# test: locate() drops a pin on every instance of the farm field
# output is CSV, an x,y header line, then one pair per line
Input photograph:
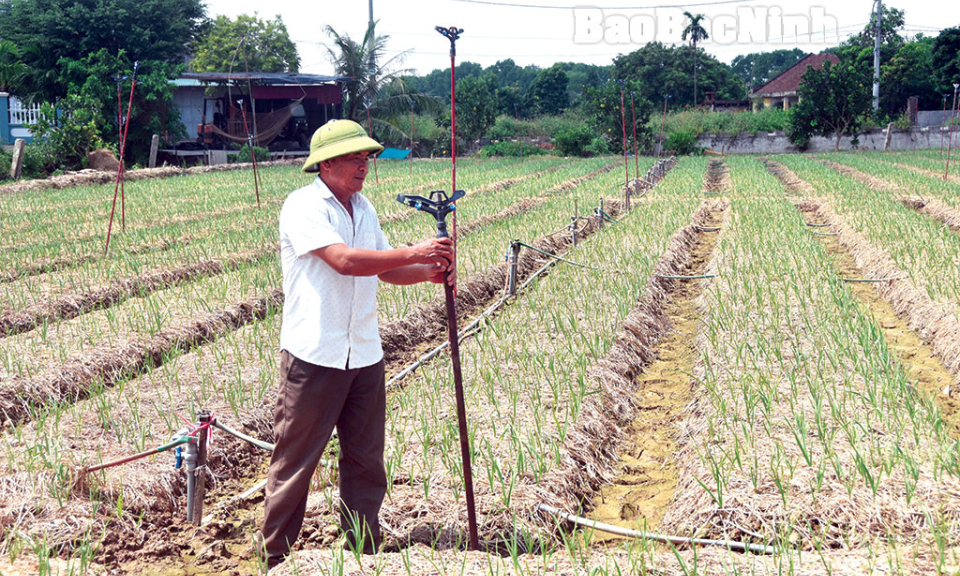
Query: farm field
x,y
759,351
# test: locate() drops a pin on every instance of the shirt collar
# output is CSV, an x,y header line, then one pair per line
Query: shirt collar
x,y
357,199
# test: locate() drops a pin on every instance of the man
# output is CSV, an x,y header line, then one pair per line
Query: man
x,y
332,251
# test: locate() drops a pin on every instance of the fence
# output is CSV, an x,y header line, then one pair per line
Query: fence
x,y
14,116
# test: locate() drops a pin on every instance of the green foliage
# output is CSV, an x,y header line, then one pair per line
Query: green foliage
x,y
758,68
660,70
833,100
65,137
702,121
92,80
507,148
549,91
601,106
262,154
909,72
12,69
682,143
246,43
366,61
574,141
946,59
50,30
476,108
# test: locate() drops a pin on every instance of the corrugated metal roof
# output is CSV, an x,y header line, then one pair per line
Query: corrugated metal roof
x,y
263,78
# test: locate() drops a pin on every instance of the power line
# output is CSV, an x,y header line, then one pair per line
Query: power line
x,y
693,5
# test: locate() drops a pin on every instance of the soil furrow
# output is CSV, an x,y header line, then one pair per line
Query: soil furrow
x,y
928,206
91,177
924,334
73,305
646,474
227,534
108,364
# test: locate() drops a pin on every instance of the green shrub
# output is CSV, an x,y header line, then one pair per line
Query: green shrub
x,y
63,136
507,148
682,142
574,141
243,154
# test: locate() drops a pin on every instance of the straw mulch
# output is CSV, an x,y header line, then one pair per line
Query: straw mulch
x,y
108,364
94,177
72,305
934,209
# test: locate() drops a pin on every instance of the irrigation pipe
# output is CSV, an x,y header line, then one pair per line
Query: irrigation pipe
x,y
258,443
873,279
666,538
826,233
172,444
812,225
681,277
708,228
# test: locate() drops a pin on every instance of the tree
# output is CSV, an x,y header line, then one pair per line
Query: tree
x,y
549,90
246,43
833,100
12,69
758,68
909,73
946,59
476,107
660,70
696,32
49,30
364,61
601,105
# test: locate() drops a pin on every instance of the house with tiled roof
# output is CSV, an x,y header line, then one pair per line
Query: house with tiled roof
x,y
783,90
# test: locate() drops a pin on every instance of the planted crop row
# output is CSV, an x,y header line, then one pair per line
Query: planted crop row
x,y
234,376
922,247
809,433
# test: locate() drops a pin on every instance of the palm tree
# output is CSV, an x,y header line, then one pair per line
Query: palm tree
x,y
12,69
696,32
375,86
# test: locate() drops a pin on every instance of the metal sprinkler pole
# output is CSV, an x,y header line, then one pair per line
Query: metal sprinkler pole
x,y
623,125
253,155
376,175
952,127
440,205
453,33
119,184
636,156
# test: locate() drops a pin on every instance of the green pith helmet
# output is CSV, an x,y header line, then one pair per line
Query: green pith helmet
x,y
336,138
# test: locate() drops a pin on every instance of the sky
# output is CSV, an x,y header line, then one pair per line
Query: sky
x,y
541,32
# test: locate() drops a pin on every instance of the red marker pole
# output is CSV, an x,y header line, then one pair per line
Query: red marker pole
x,y
953,114
119,185
662,122
370,130
253,155
943,122
411,137
623,125
636,156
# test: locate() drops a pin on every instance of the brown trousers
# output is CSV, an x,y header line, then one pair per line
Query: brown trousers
x,y
312,400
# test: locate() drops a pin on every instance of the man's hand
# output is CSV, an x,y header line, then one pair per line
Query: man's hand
x,y
438,272
436,251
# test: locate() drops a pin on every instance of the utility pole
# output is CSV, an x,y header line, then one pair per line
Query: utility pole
x,y
876,57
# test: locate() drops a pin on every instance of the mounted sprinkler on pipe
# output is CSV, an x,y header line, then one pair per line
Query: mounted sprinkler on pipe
x,y
253,155
439,205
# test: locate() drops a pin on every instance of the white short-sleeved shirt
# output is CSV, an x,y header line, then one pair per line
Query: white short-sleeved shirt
x,y
328,319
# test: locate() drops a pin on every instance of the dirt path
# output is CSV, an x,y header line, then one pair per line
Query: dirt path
x,y
902,312
646,474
